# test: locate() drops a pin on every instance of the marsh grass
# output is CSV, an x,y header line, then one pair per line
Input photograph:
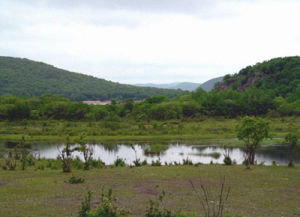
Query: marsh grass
x,y
210,128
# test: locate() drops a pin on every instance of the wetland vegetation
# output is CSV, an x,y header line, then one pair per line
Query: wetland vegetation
x,y
54,150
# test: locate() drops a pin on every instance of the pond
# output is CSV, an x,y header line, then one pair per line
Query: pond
x,y
173,152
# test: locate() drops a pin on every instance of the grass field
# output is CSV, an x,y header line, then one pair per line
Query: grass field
x,y
263,191
128,130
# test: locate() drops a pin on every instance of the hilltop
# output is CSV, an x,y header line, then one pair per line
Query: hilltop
x,y
30,78
279,75
210,84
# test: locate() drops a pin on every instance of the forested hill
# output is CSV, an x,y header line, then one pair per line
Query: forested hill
x,y
29,78
279,75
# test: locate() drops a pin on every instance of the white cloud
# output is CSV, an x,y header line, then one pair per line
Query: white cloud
x,y
132,44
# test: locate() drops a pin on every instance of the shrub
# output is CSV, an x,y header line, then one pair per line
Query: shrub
x,y
227,161
107,208
144,163
11,162
156,163
155,208
97,163
66,157
77,163
75,180
137,162
187,161
30,160
86,205
119,162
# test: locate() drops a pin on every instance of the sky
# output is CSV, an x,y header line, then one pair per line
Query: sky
x,y
150,41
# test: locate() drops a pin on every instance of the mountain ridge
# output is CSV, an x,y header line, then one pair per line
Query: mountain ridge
x,y
21,76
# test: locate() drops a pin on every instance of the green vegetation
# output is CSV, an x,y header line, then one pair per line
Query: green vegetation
x,y
29,78
107,208
281,76
208,131
271,189
277,95
252,131
75,180
292,140
269,90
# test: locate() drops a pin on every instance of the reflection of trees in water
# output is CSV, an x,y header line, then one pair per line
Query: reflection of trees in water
x,y
278,152
114,148
211,148
11,144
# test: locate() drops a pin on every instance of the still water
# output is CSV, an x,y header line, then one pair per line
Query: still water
x,y
173,152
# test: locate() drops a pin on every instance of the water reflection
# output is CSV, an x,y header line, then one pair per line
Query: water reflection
x,y
172,153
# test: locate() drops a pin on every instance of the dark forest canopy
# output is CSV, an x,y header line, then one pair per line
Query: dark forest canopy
x,y
29,78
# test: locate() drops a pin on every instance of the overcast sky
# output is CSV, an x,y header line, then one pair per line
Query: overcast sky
x,y
142,41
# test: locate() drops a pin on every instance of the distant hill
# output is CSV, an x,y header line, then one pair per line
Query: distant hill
x,y
210,84
189,86
279,75
29,78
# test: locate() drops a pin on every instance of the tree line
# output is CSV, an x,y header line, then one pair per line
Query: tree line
x,y
199,104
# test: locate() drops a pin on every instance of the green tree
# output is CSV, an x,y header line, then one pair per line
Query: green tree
x,y
292,140
252,130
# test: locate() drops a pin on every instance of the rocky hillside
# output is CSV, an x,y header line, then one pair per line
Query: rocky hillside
x,y
281,75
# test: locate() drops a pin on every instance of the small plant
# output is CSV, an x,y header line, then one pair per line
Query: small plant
x,y
144,163
97,163
137,162
119,162
187,161
75,180
156,163
156,208
227,159
212,206
77,163
107,208
40,167
86,205
10,161
176,163
30,160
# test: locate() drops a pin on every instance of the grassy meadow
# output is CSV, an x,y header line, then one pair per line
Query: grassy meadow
x,y
263,191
